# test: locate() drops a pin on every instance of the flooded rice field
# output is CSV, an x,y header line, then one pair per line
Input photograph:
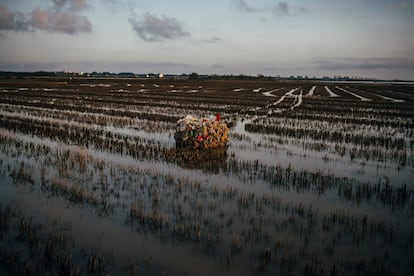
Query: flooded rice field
x,y
317,178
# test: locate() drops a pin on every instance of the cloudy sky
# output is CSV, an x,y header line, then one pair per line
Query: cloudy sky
x,y
368,38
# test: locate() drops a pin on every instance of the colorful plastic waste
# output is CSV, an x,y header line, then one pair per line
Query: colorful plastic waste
x,y
201,132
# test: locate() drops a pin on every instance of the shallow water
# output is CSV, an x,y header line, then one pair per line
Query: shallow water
x,y
267,204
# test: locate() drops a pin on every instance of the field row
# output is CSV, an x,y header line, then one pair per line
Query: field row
x,y
219,220
316,179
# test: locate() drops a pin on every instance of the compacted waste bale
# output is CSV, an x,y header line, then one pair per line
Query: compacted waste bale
x,y
192,132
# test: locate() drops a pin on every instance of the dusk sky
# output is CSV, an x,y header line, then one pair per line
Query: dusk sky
x,y
368,38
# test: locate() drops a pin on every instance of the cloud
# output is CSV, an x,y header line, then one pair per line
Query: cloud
x,y
151,27
282,8
74,5
62,17
12,21
51,20
242,6
6,19
340,64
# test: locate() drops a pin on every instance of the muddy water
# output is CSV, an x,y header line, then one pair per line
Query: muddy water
x,y
292,152
109,234
239,211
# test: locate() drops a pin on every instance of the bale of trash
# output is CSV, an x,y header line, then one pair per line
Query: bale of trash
x,y
192,132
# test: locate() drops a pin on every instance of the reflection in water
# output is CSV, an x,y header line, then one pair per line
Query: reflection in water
x,y
209,160
122,199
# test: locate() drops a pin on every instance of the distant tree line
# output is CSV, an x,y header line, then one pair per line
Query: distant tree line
x,y
192,76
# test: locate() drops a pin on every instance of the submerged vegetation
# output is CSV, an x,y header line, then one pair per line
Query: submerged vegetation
x,y
317,178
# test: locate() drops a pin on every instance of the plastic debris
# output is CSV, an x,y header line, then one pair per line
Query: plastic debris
x,y
201,132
